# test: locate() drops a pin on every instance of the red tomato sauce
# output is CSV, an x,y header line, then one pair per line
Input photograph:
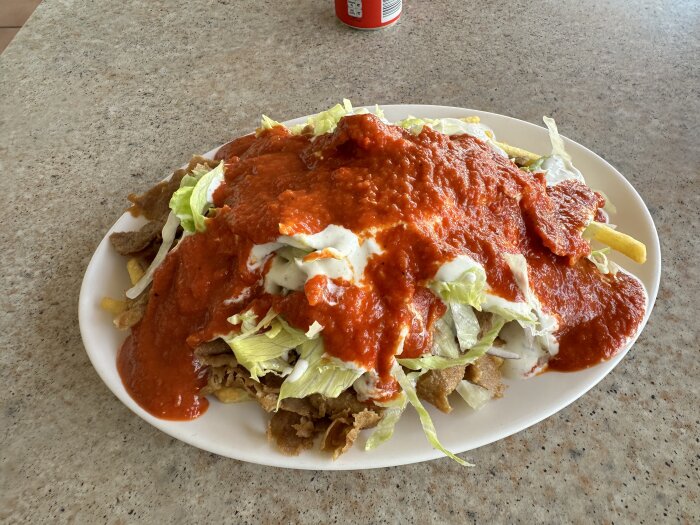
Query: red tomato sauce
x,y
430,197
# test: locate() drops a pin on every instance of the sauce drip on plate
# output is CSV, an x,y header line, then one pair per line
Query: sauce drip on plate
x,y
426,199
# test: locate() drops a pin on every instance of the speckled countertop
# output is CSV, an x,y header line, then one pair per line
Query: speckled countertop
x,y
101,97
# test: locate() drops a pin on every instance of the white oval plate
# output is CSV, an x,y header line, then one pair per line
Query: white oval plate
x,y
238,431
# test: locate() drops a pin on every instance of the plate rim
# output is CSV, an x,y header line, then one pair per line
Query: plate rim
x,y
271,457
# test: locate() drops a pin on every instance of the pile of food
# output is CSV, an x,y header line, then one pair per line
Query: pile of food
x,y
337,271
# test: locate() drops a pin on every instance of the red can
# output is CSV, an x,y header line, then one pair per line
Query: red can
x,y
368,14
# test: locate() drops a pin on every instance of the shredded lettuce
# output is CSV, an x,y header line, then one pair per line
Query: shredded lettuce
x,y
556,140
168,235
558,166
447,126
314,373
455,332
433,362
451,126
444,342
392,413
378,112
248,321
323,122
535,166
461,283
467,289
601,261
314,330
425,421
466,325
194,197
476,396
545,324
326,121
415,124
267,123
262,353
187,206
203,195
509,310
267,352
180,202
609,207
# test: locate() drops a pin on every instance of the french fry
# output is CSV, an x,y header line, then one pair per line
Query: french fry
x,y
135,270
618,241
513,152
471,120
133,313
230,394
518,153
113,306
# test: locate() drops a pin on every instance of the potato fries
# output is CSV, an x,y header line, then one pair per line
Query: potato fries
x,y
230,394
113,306
135,270
471,120
518,153
618,241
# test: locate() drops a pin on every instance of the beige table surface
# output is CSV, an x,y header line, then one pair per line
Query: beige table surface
x,y
101,97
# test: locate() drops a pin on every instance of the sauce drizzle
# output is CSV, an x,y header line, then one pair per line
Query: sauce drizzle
x,y
427,199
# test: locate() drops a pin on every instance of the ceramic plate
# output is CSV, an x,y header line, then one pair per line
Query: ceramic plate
x,y
238,431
